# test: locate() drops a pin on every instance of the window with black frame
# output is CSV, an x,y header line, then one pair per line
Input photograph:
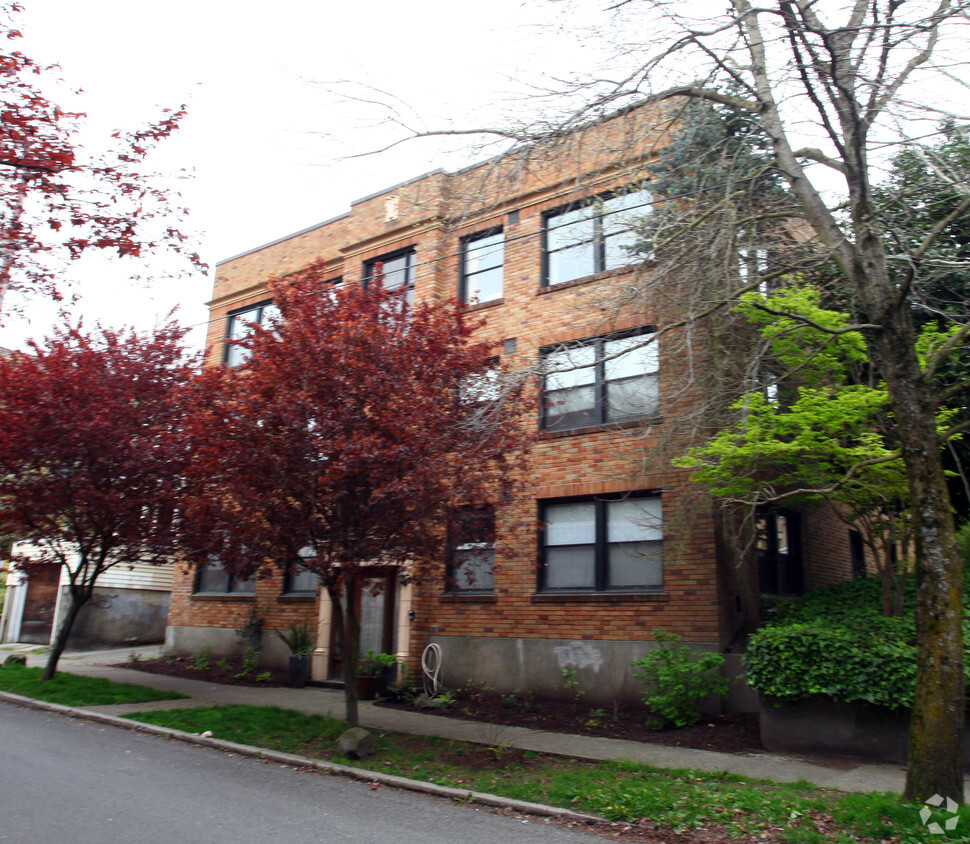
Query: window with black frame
x,y
299,580
397,269
482,259
211,578
241,324
779,547
471,567
599,381
592,237
601,544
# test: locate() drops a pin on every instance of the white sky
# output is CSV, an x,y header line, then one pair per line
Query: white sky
x,y
267,148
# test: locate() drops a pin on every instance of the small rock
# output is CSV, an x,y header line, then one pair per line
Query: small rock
x,y
15,659
356,743
206,734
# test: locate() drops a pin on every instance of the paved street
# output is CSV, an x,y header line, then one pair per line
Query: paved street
x,y
71,781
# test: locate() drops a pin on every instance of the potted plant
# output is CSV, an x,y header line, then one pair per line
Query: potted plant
x,y
371,669
301,641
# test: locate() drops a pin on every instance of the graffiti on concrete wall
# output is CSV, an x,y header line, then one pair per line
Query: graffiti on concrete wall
x,y
579,655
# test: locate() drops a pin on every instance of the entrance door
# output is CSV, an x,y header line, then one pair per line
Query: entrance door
x,y
37,623
375,600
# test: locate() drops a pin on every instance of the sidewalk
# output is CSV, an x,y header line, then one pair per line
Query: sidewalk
x,y
861,777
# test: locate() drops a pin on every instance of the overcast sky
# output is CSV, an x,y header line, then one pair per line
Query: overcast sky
x,y
267,141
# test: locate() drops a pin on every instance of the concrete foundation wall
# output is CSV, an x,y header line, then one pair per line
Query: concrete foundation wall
x,y
602,668
115,617
187,640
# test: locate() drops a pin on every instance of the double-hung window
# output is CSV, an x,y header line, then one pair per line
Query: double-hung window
x,y
593,237
601,381
602,544
398,271
241,323
298,580
472,551
482,257
211,578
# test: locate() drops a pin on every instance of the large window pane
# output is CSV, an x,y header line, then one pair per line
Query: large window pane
x,y
567,409
484,286
570,229
300,579
632,398
634,519
570,368
569,264
570,567
570,524
636,564
485,253
474,568
212,578
630,356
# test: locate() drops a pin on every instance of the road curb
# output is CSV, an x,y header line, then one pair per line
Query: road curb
x,y
390,780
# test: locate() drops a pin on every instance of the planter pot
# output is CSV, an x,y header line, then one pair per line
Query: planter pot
x,y
299,671
385,680
366,688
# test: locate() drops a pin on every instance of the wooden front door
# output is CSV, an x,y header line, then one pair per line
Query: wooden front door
x,y
375,600
40,602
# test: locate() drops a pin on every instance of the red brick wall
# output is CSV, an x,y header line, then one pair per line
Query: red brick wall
x,y
434,212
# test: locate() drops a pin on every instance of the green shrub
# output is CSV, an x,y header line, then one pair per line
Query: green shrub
x,y
301,639
202,659
677,683
796,661
835,643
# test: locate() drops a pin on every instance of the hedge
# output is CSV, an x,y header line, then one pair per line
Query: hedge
x,y
835,643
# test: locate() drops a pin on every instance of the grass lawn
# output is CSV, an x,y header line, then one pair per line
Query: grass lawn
x,y
619,791
74,690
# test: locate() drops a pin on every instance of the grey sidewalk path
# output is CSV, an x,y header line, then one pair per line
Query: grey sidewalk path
x,y
312,700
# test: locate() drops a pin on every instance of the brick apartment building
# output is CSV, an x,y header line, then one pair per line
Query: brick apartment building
x,y
605,543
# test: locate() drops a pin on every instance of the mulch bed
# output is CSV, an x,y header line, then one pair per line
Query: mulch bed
x,y
731,733
229,673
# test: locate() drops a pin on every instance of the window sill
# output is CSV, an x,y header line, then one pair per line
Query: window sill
x,y
608,597
298,597
221,596
483,306
596,429
586,279
466,597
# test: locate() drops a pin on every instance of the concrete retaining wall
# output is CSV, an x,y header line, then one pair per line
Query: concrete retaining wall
x,y
846,729
602,669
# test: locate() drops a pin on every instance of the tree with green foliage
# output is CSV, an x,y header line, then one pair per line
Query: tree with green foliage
x,y
827,84
832,88
815,434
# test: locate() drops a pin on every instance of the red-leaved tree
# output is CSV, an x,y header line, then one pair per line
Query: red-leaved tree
x,y
91,454
58,201
348,439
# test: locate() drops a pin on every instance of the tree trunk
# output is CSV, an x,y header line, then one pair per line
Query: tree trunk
x,y
348,637
935,762
77,600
